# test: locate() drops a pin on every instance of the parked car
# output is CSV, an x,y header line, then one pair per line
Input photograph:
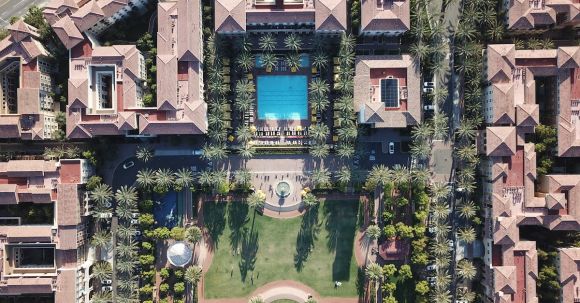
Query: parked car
x,y
428,90
106,282
391,147
429,107
128,164
135,215
428,84
432,267
134,221
107,288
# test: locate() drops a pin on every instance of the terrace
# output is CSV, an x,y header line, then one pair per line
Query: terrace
x,y
29,259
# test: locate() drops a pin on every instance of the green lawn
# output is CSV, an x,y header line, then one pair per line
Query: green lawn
x,y
315,249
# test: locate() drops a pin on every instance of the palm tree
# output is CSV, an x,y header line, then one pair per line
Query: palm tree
x,y
439,190
419,51
345,150
126,250
293,42
101,238
421,176
256,200
496,30
440,94
183,179
466,234
440,210
164,179
125,232
440,249
400,174
102,193
347,133
145,178
441,296
193,234
344,175
204,178
127,285
126,266
466,270
309,199
374,273
267,42
468,210
246,151
293,61
256,299
466,130
102,270
243,177
373,232
102,297
319,150
269,61
244,133
422,132
246,61
126,195
379,176
320,60
144,154
319,132
319,102
464,294
421,150
319,86
193,274
320,177
468,153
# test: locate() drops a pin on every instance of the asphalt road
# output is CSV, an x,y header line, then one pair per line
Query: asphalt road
x,y
9,8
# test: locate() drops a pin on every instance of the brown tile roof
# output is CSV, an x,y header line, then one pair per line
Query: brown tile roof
x,y
503,105
505,232
500,62
67,32
88,15
189,39
501,141
569,275
78,90
505,279
29,168
68,205
29,285
8,194
374,112
330,15
66,286
230,15
569,57
527,114
9,126
67,238
394,18
27,233
522,15
22,42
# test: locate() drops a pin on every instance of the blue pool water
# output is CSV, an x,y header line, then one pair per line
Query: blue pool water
x,y
282,97
165,210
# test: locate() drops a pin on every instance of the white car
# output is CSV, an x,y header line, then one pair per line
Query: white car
x,y
107,282
134,221
432,267
429,107
427,90
107,288
428,84
128,164
135,215
391,148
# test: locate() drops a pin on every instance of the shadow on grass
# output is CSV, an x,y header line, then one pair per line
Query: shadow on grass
x,y
249,253
214,219
308,234
237,218
340,223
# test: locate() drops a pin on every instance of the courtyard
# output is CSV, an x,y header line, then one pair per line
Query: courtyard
x,y
251,250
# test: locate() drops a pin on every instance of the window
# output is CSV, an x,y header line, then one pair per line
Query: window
x,y
390,92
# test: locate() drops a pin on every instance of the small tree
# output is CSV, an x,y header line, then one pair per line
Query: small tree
x,y
144,154
193,234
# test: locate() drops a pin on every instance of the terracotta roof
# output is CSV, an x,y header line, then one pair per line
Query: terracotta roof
x,y
503,105
67,32
230,15
66,286
331,15
500,62
8,194
9,126
501,141
68,205
505,232
569,275
527,114
374,111
189,39
27,233
522,15
88,15
505,279
22,42
569,57
388,19
29,168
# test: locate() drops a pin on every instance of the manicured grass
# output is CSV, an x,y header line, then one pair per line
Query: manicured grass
x,y
315,249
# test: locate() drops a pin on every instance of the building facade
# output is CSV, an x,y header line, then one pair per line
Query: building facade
x,y
541,14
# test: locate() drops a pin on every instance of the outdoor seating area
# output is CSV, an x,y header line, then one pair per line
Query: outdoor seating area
x,y
284,136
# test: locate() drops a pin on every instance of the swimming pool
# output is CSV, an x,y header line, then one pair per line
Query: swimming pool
x,y
282,97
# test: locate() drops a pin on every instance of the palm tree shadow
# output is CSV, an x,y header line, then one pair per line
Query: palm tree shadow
x,y
214,215
249,253
308,234
341,227
237,218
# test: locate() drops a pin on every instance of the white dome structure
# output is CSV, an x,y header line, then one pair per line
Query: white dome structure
x,y
179,254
